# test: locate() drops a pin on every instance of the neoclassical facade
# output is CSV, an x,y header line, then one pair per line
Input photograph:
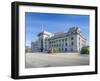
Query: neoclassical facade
x,y
71,41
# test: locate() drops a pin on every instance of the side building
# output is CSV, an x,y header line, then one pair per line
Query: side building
x,y
71,41
35,46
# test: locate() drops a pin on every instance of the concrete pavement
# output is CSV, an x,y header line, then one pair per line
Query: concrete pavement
x,y
34,60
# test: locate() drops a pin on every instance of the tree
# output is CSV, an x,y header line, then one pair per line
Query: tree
x,y
85,50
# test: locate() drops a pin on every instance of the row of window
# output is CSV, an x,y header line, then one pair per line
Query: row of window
x,y
60,40
62,49
59,45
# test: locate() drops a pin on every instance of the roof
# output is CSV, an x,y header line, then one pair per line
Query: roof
x,y
72,30
60,35
44,33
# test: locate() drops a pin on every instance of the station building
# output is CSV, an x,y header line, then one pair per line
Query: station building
x,y
71,41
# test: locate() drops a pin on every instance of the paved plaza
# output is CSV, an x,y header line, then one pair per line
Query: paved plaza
x,y
35,60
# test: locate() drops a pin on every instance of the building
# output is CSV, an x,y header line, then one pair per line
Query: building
x,y
34,46
28,49
71,41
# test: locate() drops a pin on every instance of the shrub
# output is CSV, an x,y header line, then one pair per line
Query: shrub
x,y
53,50
50,51
85,50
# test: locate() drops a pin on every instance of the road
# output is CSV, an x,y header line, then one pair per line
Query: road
x,y
35,60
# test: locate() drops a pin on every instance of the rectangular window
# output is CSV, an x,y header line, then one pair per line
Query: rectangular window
x,y
66,39
57,45
62,40
62,49
62,45
72,43
59,49
66,44
72,38
71,49
65,49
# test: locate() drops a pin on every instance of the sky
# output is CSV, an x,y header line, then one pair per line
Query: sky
x,y
51,22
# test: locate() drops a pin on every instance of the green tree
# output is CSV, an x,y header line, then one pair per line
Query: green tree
x,y
85,50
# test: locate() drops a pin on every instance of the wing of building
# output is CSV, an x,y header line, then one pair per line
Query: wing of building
x,y
71,41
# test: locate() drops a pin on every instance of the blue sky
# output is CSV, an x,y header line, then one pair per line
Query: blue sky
x,y
53,23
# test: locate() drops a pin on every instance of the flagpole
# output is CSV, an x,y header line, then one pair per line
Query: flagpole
x,y
42,28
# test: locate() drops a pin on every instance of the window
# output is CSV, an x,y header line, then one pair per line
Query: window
x,y
62,44
56,45
52,45
72,43
56,41
59,49
65,49
72,32
62,49
45,42
66,39
79,38
66,44
71,49
72,38
59,45
62,40
59,40
45,46
50,42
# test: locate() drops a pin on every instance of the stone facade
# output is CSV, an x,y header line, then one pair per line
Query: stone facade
x,y
71,41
